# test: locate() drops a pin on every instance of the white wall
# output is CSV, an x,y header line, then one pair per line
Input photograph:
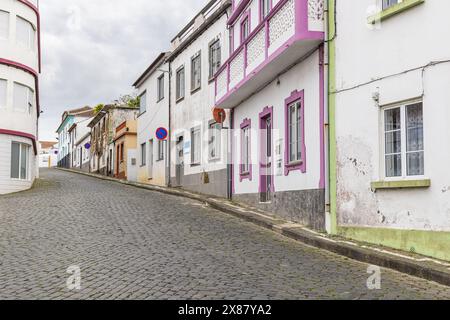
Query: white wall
x,y
365,53
156,116
304,76
196,108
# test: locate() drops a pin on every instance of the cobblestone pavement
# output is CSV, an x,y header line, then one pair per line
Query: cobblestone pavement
x,y
136,244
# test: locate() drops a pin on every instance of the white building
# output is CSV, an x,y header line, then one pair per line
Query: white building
x,y
48,154
198,159
274,84
153,90
80,135
67,133
19,94
391,95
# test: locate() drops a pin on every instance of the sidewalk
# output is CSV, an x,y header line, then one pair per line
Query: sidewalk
x,y
405,262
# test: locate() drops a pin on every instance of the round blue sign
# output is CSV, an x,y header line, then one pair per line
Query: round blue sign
x,y
161,133
87,145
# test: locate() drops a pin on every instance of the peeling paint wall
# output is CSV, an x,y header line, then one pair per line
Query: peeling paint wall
x,y
390,51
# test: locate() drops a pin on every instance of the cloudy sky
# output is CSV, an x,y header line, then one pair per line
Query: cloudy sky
x,y
93,50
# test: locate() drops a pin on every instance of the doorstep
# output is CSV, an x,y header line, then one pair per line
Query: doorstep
x,y
405,262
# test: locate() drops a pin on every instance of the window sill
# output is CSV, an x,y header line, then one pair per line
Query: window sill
x,y
294,166
140,114
195,164
245,176
195,90
179,100
400,184
394,10
159,100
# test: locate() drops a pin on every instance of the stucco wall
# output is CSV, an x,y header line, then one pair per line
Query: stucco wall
x,y
196,108
365,53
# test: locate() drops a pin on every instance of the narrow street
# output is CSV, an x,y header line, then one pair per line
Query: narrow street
x,y
136,244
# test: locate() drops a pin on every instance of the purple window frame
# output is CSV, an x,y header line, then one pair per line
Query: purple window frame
x,y
298,165
246,124
261,6
246,17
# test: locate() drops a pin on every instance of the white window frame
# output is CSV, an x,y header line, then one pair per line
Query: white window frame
x,y
214,140
143,102
143,154
196,60
180,83
160,88
246,142
215,57
27,165
404,175
160,150
196,146
298,128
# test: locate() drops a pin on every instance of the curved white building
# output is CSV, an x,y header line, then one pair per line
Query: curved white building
x,y
19,93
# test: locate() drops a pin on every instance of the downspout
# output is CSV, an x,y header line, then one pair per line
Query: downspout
x,y
169,140
331,77
230,164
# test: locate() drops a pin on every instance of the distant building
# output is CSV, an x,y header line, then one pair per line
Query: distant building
x,y
48,154
102,128
153,89
19,94
67,133
125,142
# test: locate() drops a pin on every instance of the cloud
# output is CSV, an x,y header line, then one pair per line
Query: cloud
x,y
92,51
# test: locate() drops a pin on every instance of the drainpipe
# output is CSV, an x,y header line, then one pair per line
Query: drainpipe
x,y
169,140
230,156
326,121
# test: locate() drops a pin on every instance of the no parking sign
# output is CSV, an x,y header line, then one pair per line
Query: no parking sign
x,y
162,133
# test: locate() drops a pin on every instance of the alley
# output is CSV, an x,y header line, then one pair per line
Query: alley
x,y
131,243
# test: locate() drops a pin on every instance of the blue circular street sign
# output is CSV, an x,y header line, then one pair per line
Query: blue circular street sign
x,y
161,133
87,145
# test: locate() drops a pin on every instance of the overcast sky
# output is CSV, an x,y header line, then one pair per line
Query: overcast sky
x,y
93,50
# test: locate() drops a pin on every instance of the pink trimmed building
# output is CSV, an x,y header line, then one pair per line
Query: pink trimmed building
x,y
19,94
274,85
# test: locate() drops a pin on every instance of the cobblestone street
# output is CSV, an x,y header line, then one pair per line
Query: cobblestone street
x,y
135,244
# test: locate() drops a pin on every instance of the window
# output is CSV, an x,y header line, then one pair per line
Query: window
x,y
295,132
404,141
214,58
161,87
143,154
19,160
245,28
245,167
389,3
4,25
23,98
143,103
231,39
25,33
195,146
214,142
196,69
3,84
160,150
180,84
121,152
265,8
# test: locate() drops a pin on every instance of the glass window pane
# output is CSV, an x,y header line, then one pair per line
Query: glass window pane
x,y
393,142
143,103
414,125
416,164
392,119
394,165
299,132
24,161
15,158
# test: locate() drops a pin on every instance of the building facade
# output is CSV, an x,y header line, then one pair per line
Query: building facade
x,y
274,84
67,133
153,90
199,157
48,154
103,125
19,94
388,99
125,143
82,152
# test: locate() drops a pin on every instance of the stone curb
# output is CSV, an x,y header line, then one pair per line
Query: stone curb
x,y
425,268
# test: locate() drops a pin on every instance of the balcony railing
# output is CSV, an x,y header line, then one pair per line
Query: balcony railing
x,y
292,28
